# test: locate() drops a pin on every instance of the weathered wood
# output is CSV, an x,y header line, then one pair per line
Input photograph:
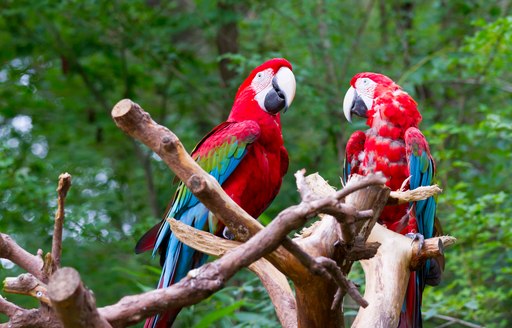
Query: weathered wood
x,y
74,304
27,284
62,190
272,279
10,250
387,275
432,247
315,295
133,120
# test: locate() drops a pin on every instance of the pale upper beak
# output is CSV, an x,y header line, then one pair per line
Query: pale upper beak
x,y
282,92
355,103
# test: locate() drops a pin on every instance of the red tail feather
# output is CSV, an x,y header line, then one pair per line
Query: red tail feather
x,y
165,320
147,242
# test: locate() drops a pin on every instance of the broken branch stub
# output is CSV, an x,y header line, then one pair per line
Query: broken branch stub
x,y
316,295
272,279
74,304
387,274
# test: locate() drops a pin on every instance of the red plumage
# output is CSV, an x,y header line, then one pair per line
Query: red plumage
x,y
246,154
392,113
392,145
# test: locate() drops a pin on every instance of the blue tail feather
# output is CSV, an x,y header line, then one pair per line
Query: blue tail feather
x,y
179,258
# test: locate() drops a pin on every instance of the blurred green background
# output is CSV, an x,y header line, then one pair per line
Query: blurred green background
x,y
64,64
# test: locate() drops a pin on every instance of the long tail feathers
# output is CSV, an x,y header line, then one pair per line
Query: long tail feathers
x,y
163,320
410,316
179,260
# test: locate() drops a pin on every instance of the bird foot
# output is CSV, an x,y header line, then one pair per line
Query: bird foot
x,y
228,234
404,184
417,236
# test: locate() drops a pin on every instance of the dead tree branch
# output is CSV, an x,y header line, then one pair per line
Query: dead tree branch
x,y
8,308
74,304
62,191
27,284
133,120
404,197
388,272
318,299
39,271
317,261
202,282
273,280
21,318
11,251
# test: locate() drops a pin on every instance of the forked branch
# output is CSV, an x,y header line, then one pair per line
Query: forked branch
x,y
317,261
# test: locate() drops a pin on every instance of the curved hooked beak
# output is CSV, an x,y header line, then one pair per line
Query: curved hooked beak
x,y
355,103
281,95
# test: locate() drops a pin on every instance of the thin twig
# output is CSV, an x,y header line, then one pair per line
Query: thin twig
x,y
8,308
27,284
342,281
10,250
62,190
452,320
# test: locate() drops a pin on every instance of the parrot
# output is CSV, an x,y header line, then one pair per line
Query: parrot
x,y
394,146
246,155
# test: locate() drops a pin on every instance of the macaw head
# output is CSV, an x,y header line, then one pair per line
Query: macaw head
x,y
376,97
271,86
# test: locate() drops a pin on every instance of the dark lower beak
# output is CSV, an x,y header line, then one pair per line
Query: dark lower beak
x,y
358,106
275,100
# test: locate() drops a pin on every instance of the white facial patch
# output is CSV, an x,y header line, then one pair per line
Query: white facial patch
x,y
261,84
366,90
365,86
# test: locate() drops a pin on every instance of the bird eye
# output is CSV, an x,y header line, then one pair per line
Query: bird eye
x,y
259,75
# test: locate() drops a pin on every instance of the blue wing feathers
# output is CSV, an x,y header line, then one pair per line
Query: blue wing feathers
x,y
421,170
226,153
220,162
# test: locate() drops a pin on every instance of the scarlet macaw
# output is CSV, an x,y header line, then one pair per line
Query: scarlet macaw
x,y
245,154
394,145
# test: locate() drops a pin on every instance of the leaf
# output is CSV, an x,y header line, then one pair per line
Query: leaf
x,y
208,319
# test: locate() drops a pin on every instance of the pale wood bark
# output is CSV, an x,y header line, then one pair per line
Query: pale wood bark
x,y
27,284
62,191
74,304
10,250
315,262
315,296
387,275
273,280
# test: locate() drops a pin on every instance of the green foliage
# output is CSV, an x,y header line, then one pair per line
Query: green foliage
x,y
64,64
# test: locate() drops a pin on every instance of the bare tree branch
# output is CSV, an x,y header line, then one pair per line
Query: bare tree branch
x,y
8,308
133,120
431,248
318,299
74,304
317,261
452,320
27,284
130,118
13,252
22,318
202,282
387,275
62,190
274,281
420,193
